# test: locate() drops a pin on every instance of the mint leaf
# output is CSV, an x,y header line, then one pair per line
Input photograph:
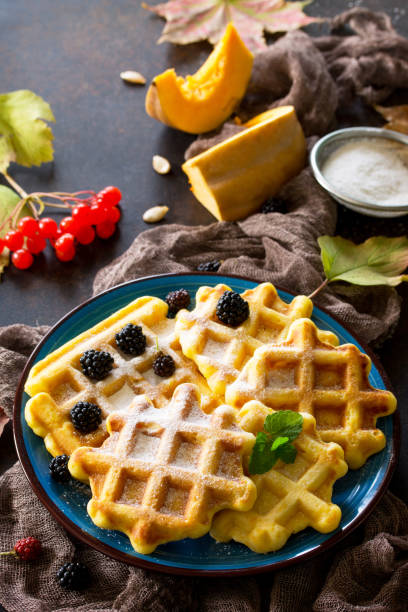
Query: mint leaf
x,y
284,423
377,261
280,429
287,453
262,457
25,138
279,442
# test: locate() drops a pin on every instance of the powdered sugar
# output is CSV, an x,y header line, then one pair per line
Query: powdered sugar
x,y
371,169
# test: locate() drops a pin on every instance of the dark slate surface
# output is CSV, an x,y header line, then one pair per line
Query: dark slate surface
x,y
71,53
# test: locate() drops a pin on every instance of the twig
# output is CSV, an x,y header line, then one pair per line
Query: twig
x,y
319,288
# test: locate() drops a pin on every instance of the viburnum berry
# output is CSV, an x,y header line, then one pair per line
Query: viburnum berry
x,y
113,214
2,245
82,215
98,214
110,196
22,259
65,242
27,549
47,227
14,240
58,235
68,225
67,255
85,234
36,244
105,229
28,226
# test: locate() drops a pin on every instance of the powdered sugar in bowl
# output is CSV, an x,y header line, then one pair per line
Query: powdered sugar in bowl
x,y
365,169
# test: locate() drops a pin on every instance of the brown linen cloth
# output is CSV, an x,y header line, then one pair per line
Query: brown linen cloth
x,y
369,569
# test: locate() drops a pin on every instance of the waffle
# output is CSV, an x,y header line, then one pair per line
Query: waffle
x,y
220,351
162,474
290,497
56,383
330,383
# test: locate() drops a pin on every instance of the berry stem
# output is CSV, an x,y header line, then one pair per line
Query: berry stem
x,y
10,552
319,288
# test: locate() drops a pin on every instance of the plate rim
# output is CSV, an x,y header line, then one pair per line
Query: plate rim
x,y
123,557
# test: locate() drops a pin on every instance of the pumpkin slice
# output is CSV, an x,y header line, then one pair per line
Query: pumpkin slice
x,y
234,177
202,102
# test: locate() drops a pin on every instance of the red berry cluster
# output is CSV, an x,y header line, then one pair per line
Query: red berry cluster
x,y
95,216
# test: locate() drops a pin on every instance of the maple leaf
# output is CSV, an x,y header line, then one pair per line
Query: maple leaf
x,y
24,136
377,261
191,20
396,117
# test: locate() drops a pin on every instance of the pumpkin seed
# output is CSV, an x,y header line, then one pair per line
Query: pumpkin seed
x,y
155,214
131,76
161,164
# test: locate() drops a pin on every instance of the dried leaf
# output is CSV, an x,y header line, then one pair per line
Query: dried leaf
x,y
4,260
3,418
191,20
377,261
396,117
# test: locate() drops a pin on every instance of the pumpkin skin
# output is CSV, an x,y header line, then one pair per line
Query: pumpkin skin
x,y
201,102
233,178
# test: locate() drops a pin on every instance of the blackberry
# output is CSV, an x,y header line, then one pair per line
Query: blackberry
x,y
96,364
177,300
164,365
273,205
59,468
209,266
73,576
86,417
131,339
232,309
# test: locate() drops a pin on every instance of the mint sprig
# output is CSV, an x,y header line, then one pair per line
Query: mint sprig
x,y
275,442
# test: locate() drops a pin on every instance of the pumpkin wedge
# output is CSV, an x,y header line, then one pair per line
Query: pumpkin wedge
x,y
201,102
234,177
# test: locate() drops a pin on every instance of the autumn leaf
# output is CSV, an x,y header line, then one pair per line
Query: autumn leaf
x,y
8,201
396,117
25,138
377,261
190,20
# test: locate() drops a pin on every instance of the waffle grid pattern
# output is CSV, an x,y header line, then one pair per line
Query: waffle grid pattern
x,y
60,383
162,474
330,383
220,351
290,497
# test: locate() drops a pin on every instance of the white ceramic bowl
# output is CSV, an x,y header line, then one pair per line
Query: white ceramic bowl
x,y
329,143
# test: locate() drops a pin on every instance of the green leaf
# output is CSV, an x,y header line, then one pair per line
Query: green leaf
x,y
262,456
287,453
8,201
284,423
24,136
279,442
378,261
192,20
281,428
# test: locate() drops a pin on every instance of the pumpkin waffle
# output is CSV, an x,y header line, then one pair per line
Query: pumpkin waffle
x,y
290,497
162,474
330,383
57,383
220,351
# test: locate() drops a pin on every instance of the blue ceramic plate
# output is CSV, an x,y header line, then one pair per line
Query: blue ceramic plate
x,y
356,493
